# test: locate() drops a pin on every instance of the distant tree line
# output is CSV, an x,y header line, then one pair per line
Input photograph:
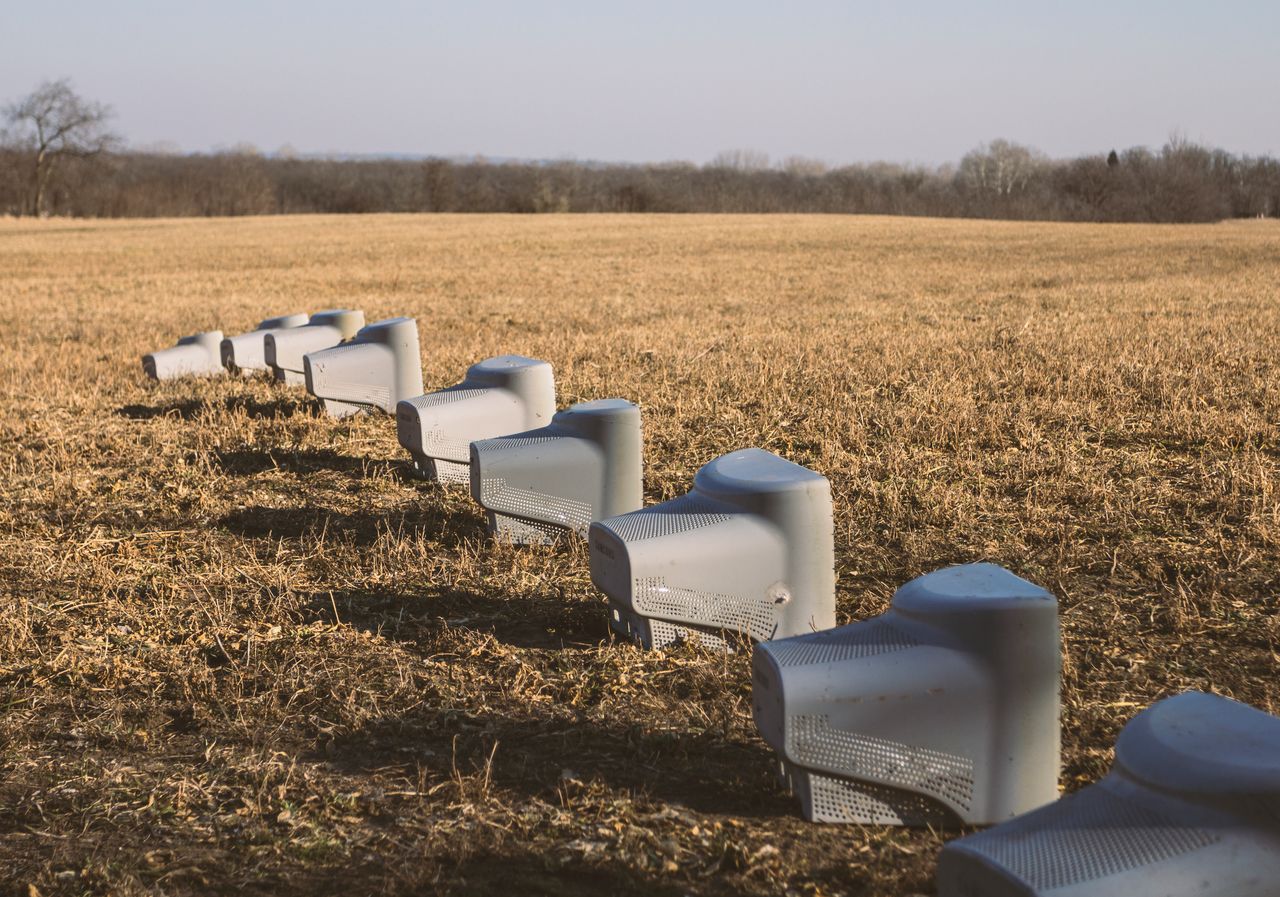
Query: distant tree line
x,y
56,158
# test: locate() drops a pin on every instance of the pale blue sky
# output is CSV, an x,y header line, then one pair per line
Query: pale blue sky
x,y
840,81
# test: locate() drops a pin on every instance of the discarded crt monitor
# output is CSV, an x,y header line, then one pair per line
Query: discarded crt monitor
x,y
284,349
499,396
194,356
244,353
584,466
1191,806
750,550
376,369
942,710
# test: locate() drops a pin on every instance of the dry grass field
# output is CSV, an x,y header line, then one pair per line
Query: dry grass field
x,y
243,651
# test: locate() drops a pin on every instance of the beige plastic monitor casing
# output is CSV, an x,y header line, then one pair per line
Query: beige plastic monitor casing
x,y
1190,808
499,396
750,551
585,466
197,355
943,710
378,368
245,353
283,350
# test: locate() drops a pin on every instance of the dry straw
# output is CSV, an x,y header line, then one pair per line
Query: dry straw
x,y
242,652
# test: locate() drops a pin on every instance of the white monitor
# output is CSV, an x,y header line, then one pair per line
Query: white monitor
x,y
378,368
584,466
283,350
1190,808
244,353
499,396
197,355
750,550
943,710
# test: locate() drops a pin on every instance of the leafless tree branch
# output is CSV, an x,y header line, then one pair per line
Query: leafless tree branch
x,y
55,123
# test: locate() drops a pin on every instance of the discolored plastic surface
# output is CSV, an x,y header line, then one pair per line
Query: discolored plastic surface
x,y
245,354
378,368
750,550
1188,809
943,710
198,355
283,350
584,466
499,396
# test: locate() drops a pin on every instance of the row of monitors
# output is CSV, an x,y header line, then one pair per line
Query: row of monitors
x,y
942,711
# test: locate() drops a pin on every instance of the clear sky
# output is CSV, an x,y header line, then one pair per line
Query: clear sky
x,y
843,82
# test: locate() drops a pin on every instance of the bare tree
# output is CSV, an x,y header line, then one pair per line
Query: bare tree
x,y
803,167
1000,168
741,160
52,124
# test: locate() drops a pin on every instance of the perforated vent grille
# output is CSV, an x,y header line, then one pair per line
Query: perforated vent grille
x,y
438,443
342,349
811,741
836,800
523,532
1085,836
523,441
665,634
659,633
497,495
756,617
680,515
835,645
449,472
447,397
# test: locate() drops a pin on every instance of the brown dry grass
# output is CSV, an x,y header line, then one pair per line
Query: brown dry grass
x,y
241,651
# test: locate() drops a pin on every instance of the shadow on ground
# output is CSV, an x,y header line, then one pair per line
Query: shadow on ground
x,y
539,756
515,871
360,528
425,617
543,873
184,410
189,409
537,742
245,462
